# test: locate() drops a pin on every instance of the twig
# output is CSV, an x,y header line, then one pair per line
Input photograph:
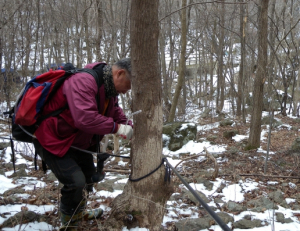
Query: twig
x,y
190,157
210,156
197,3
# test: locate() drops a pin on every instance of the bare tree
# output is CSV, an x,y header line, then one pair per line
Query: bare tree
x,y
144,200
255,125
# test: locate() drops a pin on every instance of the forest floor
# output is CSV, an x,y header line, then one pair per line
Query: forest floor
x,y
235,164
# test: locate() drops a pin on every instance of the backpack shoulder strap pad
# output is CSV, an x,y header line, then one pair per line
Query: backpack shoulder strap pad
x,y
99,79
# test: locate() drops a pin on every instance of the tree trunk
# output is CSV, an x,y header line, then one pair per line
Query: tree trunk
x,y
255,125
142,203
181,64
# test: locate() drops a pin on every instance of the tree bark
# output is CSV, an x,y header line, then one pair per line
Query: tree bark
x,y
255,125
142,203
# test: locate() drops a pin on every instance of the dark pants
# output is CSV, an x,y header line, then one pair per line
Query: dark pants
x,y
74,170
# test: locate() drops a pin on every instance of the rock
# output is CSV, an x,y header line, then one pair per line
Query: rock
x,y
187,195
194,224
4,145
278,198
206,113
51,177
14,191
2,172
226,218
226,122
106,186
119,186
179,134
218,200
266,120
229,134
247,224
212,138
234,207
261,204
9,165
24,217
220,188
201,223
20,173
10,200
209,185
280,218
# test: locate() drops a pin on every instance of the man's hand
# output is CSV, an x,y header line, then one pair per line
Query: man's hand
x,y
125,131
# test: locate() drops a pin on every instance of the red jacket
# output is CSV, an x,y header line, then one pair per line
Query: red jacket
x,y
76,125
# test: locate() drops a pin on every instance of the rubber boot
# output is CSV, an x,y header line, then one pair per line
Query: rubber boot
x,y
70,217
90,214
70,222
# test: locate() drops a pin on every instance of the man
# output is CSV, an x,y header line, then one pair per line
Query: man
x,y
76,126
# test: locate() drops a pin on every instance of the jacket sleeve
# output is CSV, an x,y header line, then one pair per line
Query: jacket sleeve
x,y
80,91
119,116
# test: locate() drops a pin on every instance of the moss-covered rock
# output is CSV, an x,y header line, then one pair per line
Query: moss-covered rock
x,y
296,144
229,134
177,134
226,122
266,120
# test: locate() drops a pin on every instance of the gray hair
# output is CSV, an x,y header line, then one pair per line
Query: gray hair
x,y
125,64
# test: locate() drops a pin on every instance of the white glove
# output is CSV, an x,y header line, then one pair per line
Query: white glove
x,y
125,131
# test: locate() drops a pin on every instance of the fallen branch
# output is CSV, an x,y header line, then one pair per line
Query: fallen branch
x,y
116,170
267,176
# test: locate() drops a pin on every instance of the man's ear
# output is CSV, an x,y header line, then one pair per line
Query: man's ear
x,y
121,72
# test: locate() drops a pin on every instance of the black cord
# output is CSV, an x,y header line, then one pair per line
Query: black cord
x,y
143,177
205,206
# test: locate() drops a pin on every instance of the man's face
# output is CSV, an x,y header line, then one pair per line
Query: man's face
x,y
122,83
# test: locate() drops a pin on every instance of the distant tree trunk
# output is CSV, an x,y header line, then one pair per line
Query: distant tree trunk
x,y
272,36
87,36
240,94
113,34
78,51
296,97
36,37
221,76
144,200
261,75
181,64
165,91
99,30
125,30
211,73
